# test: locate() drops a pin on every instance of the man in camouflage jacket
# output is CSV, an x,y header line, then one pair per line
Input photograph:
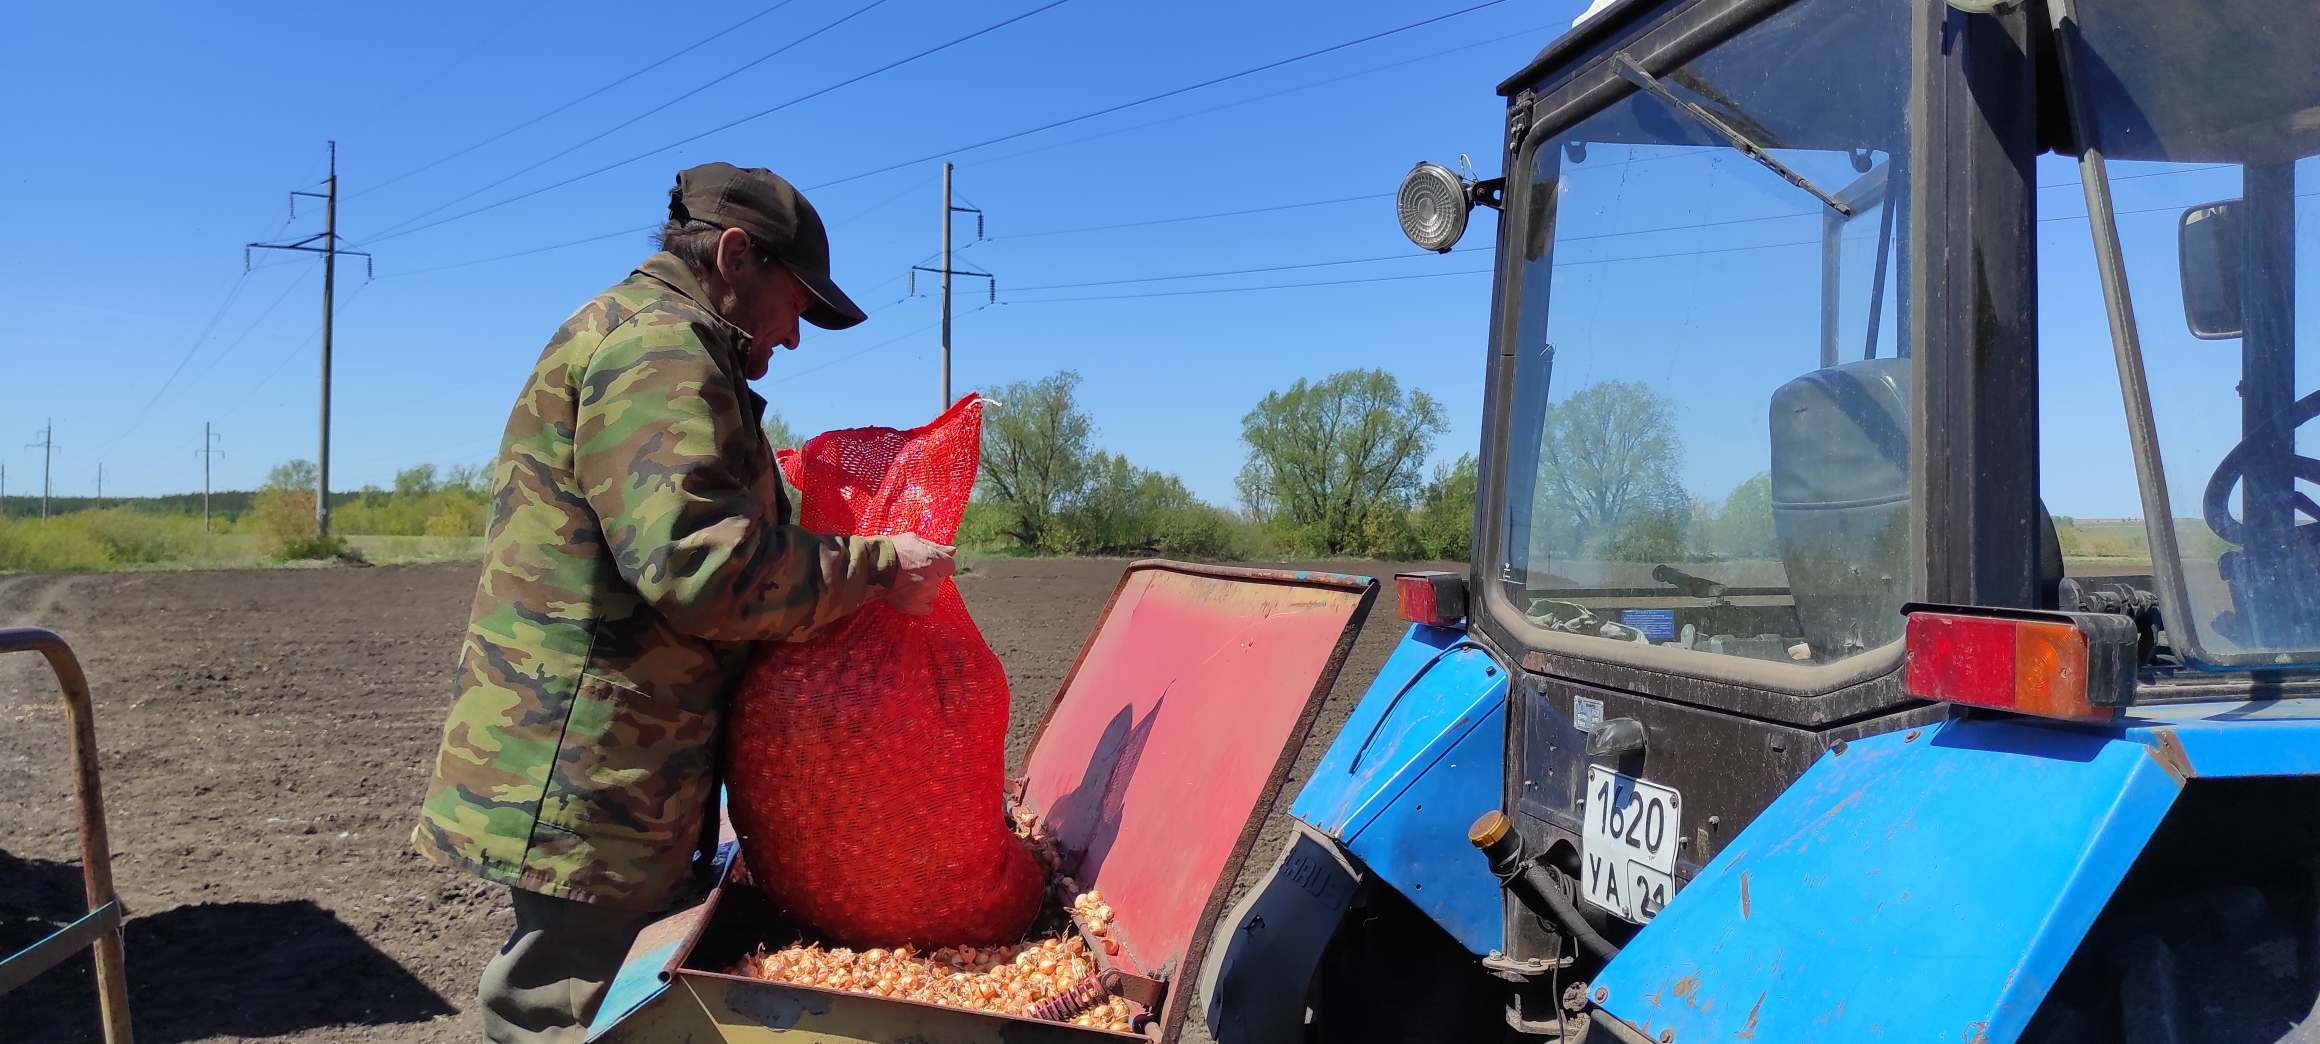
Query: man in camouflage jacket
x,y
639,544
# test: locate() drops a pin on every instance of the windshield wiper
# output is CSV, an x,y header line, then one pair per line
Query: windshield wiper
x,y
1636,75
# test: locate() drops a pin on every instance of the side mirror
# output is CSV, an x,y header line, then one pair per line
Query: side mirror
x,y
2210,242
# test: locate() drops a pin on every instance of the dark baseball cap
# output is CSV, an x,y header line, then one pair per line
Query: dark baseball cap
x,y
778,219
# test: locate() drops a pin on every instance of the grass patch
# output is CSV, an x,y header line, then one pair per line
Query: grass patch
x,y
92,540
312,548
399,550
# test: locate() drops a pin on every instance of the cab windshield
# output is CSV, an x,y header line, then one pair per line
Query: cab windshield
x,y
2209,119
1711,415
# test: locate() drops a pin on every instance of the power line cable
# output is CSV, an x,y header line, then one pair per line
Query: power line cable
x,y
389,231
2152,174
233,293
1051,5
454,63
888,201
196,379
294,353
1423,275
1193,217
1394,257
865,351
1251,289
1244,271
626,231
672,56
1108,110
522,253
1043,148
858,354
1253,99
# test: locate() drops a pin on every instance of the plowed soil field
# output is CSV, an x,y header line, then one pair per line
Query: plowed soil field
x,y
266,738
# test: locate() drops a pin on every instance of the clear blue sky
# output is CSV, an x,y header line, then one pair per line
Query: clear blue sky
x,y
137,170
148,143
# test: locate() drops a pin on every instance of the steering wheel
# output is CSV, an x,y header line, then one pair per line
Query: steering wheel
x,y
2215,507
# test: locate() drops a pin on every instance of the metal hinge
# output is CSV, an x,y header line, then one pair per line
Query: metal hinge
x,y
1518,120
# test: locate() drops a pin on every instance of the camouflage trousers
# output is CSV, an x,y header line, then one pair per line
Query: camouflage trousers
x,y
546,983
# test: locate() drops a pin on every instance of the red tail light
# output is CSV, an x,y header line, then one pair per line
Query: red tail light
x,y
2079,666
1432,598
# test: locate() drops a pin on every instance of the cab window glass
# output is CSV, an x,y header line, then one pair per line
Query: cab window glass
x,y
2209,117
1711,435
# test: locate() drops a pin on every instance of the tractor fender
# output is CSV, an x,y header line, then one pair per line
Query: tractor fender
x,y
1933,883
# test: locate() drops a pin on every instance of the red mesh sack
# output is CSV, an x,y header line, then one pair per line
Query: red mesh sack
x,y
866,765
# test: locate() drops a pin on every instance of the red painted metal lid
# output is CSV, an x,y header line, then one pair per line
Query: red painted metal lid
x,y
1164,752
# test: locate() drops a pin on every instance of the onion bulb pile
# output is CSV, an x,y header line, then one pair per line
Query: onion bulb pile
x,y
1009,980
1019,980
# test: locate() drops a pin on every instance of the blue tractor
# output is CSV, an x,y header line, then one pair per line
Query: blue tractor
x,y
1775,705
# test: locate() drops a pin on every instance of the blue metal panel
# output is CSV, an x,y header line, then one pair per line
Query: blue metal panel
x,y
1415,763
1924,886
1416,697
2271,738
1417,842
644,974
639,981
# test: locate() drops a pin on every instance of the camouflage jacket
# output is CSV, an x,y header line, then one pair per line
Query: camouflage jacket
x,y
639,542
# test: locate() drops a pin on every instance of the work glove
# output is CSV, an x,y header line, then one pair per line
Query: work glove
x,y
922,567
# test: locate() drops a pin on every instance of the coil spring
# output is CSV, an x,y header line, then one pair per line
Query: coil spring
x,y
1080,997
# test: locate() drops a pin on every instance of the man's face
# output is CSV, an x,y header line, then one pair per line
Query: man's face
x,y
761,297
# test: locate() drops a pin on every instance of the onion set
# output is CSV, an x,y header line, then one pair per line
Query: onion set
x,y
1053,978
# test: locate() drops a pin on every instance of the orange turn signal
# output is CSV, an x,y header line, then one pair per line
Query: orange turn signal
x,y
2077,666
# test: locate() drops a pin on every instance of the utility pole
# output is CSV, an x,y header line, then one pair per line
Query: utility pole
x,y
946,271
329,251
100,485
47,446
207,451
946,336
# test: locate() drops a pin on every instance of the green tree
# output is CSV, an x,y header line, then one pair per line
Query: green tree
x,y
285,510
1036,455
1335,464
778,433
473,479
1742,527
1117,511
1608,461
1444,521
416,481
292,475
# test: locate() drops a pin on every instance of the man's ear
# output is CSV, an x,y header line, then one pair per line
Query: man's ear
x,y
732,254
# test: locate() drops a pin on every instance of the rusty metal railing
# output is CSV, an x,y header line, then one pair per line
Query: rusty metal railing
x,y
101,926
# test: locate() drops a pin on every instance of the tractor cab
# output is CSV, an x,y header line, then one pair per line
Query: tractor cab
x,y
1805,312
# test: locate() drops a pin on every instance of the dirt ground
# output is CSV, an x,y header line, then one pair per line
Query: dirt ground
x,y
266,737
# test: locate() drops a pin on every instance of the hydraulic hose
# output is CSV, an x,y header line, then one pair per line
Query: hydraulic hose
x,y
1534,884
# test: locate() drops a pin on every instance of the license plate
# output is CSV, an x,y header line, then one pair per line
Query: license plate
x,y
1627,852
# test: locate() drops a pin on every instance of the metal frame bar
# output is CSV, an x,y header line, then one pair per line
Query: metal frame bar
x,y
2126,338
101,927
1869,190
1974,313
1998,325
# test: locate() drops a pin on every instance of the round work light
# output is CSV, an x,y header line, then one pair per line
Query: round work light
x,y
1432,206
